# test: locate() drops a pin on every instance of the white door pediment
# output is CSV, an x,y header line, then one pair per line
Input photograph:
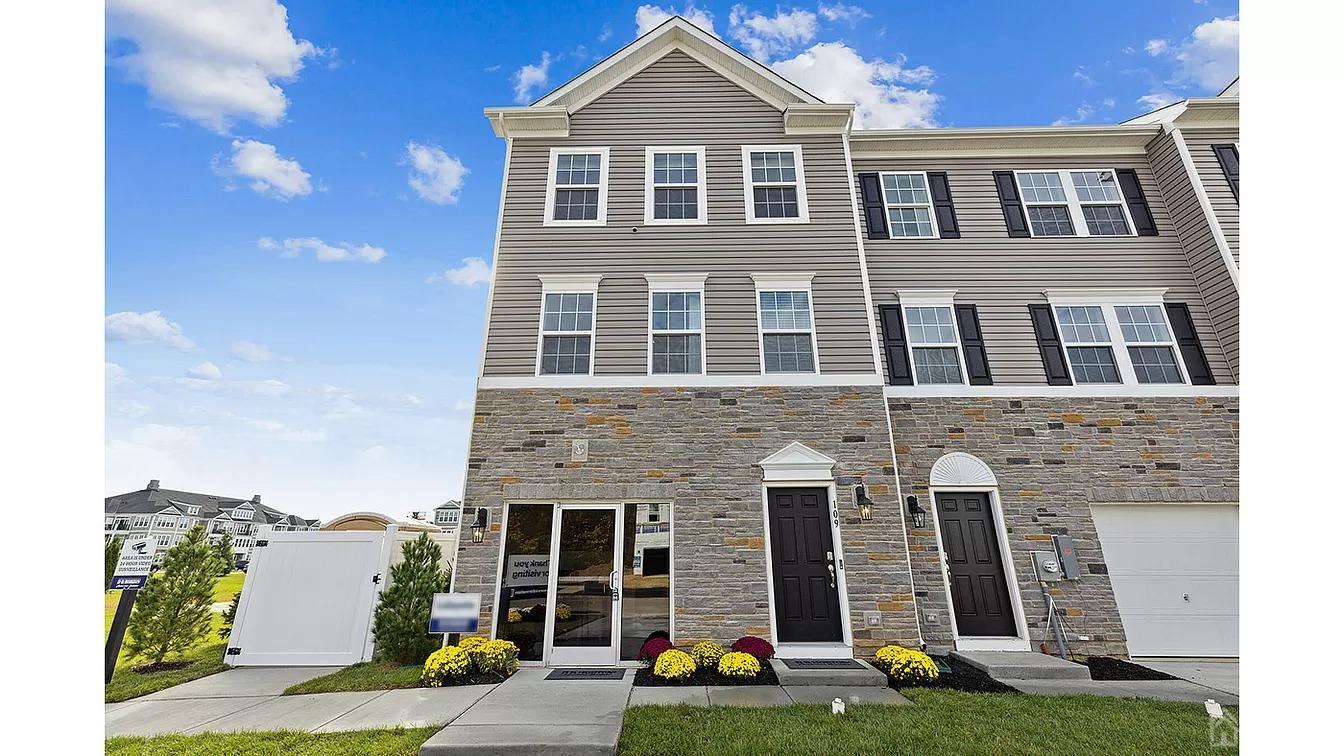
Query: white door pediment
x,y
797,462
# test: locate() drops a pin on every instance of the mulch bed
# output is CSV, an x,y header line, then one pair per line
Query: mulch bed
x,y
1108,668
166,666
645,678
963,677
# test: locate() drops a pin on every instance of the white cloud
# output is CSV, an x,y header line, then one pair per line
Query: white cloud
x,y
472,271
605,34
283,432
649,17
115,376
1081,114
270,175
251,351
131,408
768,36
207,371
212,61
850,14
324,252
1210,57
530,77
165,436
1156,47
1157,100
835,72
435,175
1081,76
375,453
235,389
146,328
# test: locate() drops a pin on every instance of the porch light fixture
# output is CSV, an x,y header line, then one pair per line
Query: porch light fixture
x,y
864,503
916,511
479,525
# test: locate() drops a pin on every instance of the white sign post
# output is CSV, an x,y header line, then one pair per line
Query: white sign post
x,y
132,571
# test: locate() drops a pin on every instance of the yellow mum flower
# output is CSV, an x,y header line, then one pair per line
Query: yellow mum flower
x,y
906,665
707,654
448,663
738,664
674,665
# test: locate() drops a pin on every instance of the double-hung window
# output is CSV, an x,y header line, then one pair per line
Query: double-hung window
x,y
674,185
909,205
1074,203
788,340
773,180
931,331
1124,341
676,324
568,324
576,188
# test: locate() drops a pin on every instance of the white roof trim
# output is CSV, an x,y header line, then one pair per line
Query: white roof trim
x,y
916,297
797,462
783,281
677,34
570,282
1002,142
807,118
676,281
529,122
1135,296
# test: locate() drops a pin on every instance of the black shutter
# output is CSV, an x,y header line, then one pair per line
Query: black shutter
x,y
893,342
1183,328
1052,351
1230,160
942,206
1138,204
1013,212
973,346
874,208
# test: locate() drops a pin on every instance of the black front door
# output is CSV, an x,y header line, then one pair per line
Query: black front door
x,y
807,603
980,597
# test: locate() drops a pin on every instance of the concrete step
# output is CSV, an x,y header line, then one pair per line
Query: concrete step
x,y
1023,665
865,676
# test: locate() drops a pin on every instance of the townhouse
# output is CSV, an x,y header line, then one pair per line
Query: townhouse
x,y
166,515
749,370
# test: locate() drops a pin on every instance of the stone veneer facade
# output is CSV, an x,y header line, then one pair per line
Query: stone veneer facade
x,y
1054,458
698,449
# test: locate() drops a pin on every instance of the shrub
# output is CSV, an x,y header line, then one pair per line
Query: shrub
x,y
757,647
172,611
563,612
739,664
230,614
448,663
401,621
653,648
471,641
906,665
674,665
111,555
707,654
495,657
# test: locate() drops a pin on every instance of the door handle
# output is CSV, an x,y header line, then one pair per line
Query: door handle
x,y
831,569
615,587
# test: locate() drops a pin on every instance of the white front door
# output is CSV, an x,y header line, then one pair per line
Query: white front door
x,y
583,628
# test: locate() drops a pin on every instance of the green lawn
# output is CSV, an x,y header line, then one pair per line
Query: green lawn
x,y
364,676
206,658
398,742
940,722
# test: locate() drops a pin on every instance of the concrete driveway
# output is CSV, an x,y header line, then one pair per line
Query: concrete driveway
x,y
1220,674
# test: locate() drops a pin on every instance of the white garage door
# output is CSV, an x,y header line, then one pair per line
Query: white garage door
x,y
1174,571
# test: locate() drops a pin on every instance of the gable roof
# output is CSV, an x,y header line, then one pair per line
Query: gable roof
x,y
156,500
677,33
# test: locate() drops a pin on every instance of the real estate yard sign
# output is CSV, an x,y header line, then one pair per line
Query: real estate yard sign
x,y
133,565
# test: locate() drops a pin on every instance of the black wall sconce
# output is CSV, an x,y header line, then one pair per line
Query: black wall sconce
x,y
916,511
479,525
864,503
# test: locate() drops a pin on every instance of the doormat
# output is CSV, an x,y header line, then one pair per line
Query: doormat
x,y
822,664
586,674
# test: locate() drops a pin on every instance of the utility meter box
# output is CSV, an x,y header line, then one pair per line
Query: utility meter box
x,y
1068,557
1047,566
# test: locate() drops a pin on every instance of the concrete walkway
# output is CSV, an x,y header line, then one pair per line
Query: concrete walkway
x,y
1220,674
249,699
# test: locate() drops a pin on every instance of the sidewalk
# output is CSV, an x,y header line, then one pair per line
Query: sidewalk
x,y
249,699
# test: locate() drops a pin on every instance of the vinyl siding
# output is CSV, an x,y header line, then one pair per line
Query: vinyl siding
x,y
1200,142
1001,275
677,101
1206,261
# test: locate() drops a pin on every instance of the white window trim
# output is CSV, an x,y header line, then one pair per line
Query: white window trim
x,y
549,218
786,282
747,185
1108,300
931,298
1074,204
567,283
678,283
928,189
701,198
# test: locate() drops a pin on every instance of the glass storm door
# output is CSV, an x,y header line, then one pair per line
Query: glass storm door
x,y
583,628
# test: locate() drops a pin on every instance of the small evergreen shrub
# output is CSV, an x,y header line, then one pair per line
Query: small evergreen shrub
x,y
401,621
230,614
447,664
757,647
906,665
674,665
172,611
707,654
739,664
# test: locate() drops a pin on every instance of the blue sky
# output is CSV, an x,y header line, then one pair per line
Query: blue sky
x,y
295,193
